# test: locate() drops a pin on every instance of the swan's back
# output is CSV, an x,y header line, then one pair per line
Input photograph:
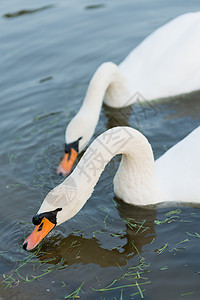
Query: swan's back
x,y
178,170
167,62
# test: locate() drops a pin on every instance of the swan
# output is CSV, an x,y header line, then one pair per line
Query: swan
x,y
166,63
175,176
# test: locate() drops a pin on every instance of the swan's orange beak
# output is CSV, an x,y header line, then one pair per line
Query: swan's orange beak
x,y
38,234
67,163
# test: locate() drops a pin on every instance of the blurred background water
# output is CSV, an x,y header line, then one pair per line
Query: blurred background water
x,y
48,53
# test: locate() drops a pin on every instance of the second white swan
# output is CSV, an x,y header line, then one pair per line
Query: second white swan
x,y
166,63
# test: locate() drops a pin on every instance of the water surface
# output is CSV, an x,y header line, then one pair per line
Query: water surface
x,y
49,52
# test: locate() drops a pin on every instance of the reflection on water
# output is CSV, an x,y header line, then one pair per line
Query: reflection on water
x,y
156,248
181,108
117,116
26,11
78,249
134,115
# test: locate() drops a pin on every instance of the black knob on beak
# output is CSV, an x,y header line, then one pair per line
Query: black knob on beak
x,y
37,219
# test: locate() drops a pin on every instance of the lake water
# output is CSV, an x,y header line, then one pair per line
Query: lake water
x,y
109,250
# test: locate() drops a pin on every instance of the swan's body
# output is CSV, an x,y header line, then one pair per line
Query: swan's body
x,y
175,176
166,63
178,170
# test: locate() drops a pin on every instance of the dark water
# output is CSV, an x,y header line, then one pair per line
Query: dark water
x,y
49,51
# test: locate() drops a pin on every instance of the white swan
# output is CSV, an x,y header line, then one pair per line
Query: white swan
x,y
166,63
175,176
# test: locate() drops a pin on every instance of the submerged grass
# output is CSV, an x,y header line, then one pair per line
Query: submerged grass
x,y
172,216
130,280
186,294
16,276
121,287
132,277
133,224
75,295
194,235
10,157
159,251
106,216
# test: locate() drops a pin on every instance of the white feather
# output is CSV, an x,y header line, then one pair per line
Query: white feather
x,y
175,176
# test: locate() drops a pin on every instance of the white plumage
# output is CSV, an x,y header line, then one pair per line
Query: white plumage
x,y
175,176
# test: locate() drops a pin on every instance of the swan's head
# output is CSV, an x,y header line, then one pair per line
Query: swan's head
x,y
60,205
78,134
44,222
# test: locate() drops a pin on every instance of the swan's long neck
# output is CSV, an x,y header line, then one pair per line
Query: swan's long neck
x,y
134,181
107,84
107,81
